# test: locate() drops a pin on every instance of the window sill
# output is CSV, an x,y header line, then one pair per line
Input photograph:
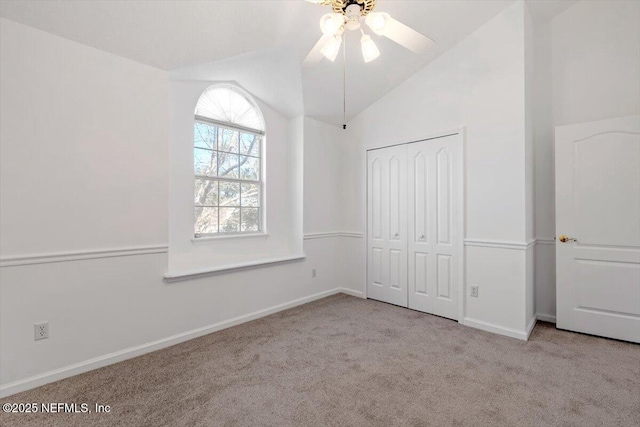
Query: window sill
x,y
213,239
172,276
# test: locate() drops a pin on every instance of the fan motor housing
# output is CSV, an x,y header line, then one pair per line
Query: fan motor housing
x,y
366,6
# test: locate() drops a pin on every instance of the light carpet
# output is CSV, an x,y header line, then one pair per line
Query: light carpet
x,y
344,361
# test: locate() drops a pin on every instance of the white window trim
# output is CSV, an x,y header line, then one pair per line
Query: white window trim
x,y
171,276
228,125
209,238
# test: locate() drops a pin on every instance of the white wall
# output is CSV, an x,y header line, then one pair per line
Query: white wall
x,y
545,285
529,163
596,61
90,131
282,203
327,176
479,85
587,68
82,164
323,208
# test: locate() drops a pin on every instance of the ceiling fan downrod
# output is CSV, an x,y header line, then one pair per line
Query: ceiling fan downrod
x,y
344,82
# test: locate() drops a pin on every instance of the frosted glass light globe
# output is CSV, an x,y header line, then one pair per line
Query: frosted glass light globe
x,y
331,49
377,21
331,23
369,49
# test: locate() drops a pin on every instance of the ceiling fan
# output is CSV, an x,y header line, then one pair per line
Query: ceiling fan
x,y
353,15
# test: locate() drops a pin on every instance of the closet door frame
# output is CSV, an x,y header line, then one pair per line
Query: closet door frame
x,y
461,217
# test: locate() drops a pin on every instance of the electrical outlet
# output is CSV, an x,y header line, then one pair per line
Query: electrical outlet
x,y
41,331
474,291
313,272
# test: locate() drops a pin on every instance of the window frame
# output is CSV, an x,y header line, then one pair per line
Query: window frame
x,y
220,125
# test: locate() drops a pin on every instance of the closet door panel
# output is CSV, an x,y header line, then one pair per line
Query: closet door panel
x,y
443,191
444,276
433,191
419,193
419,273
376,266
375,226
386,217
395,269
395,205
420,249
397,243
447,190
376,199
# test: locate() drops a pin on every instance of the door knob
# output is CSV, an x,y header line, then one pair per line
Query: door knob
x,y
422,237
396,235
564,238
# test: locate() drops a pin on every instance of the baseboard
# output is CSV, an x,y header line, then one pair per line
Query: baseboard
x,y
352,292
500,330
129,353
546,318
531,325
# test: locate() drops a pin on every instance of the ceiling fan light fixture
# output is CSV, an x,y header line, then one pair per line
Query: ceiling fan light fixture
x,y
377,21
369,49
331,23
331,49
348,15
353,14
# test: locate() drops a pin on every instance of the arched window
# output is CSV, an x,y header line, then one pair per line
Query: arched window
x,y
228,139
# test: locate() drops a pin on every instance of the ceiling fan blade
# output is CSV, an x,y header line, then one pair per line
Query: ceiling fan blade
x,y
406,36
315,55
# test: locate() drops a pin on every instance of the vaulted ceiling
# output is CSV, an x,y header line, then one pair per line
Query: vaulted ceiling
x,y
175,34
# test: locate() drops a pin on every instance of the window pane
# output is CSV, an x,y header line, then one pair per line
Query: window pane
x,y
204,162
228,165
229,220
249,144
228,140
250,219
206,220
206,192
229,194
250,168
204,136
221,103
250,195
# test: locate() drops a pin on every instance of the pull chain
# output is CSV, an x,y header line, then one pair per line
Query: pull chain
x,y
344,80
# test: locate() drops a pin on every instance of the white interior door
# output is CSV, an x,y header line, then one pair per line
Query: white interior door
x,y
598,205
387,225
433,235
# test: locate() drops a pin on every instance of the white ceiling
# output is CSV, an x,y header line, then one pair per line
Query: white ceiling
x,y
174,34
280,67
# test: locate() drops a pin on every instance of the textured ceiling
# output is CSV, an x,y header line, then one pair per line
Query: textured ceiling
x,y
171,35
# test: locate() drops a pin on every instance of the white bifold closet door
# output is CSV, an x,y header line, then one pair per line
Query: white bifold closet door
x,y
413,237
432,225
387,225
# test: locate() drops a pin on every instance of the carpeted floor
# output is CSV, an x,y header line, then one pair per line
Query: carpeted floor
x,y
343,361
